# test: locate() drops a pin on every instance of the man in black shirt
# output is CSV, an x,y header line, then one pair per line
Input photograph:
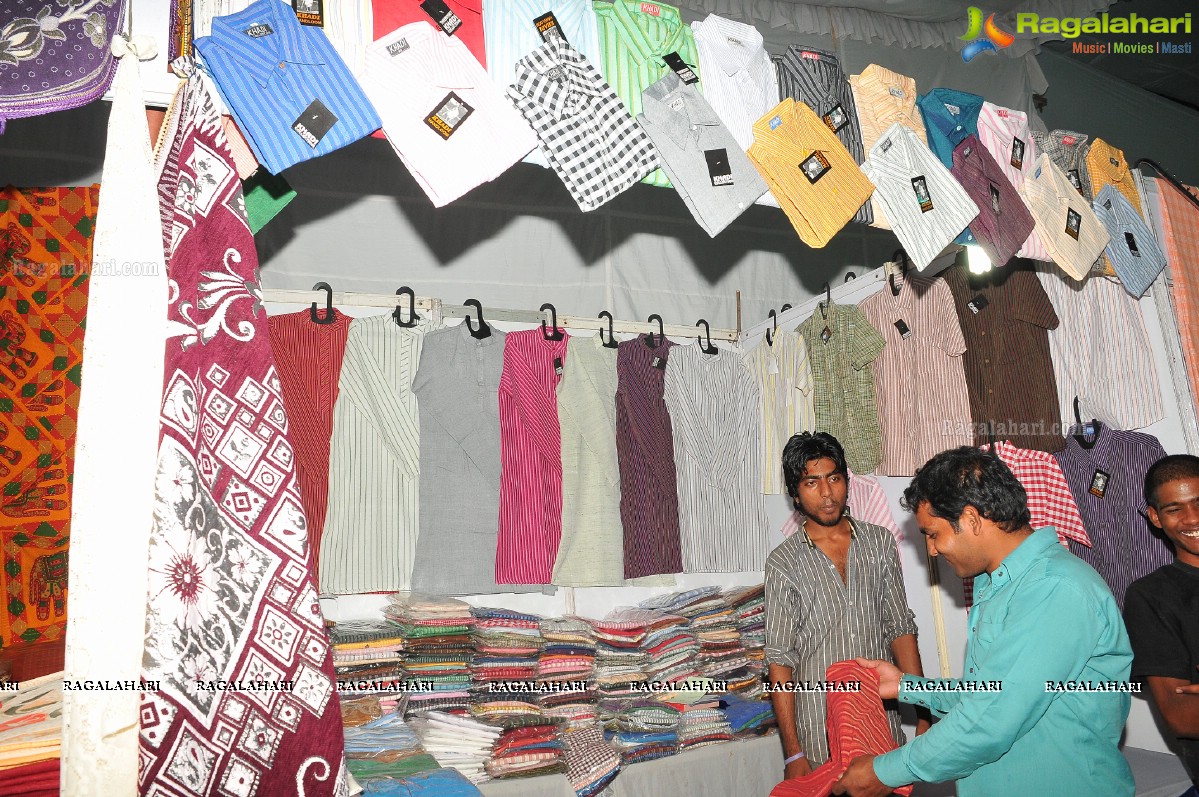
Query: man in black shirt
x,y
1161,610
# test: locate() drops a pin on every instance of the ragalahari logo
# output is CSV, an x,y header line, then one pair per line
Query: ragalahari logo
x,y
983,36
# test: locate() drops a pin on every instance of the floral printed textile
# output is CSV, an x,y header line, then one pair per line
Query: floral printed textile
x,y
231,594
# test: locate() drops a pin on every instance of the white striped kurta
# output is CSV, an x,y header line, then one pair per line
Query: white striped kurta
x,y
784,377
713,405
371,527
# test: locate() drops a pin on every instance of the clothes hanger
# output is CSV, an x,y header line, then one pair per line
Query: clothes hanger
x,y
556,333
705,341
849,275
786,307
330,313
412,316
483,330
828,300
773,316
900,257
649,336
611,342
1084,440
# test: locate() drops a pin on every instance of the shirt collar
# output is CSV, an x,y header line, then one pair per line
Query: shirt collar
x,y
683,125
932,105
972,162
428,55
791,129
1054,180
1105,154
803,528
716,32
560,99
638,39
259,57
1014,565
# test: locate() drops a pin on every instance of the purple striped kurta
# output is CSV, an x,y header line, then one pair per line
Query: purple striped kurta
x,y
649,508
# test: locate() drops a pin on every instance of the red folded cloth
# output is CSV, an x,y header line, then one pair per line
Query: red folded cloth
x,y
857,725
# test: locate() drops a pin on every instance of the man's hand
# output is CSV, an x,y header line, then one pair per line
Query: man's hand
x,y
860,781
797,769
888,676
1192,689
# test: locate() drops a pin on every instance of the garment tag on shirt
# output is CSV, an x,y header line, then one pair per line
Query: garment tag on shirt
x,y
885,145
677,104
977,303
718,166
920,186
1074,179
775,122
557,74
558,366
1068,140
651,9
446,19
966,152
397,47
449,115
994,199
310,12
1017,153
659,363
314,123
896,93
904,330
772,367
810,55
1073,221
1099,483
547,26
1131,241
815,166
258,30
675,62
1002,112
734,42
836,118
1114,162
953,109
826,334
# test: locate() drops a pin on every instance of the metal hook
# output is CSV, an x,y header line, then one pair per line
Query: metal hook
x,y
772,316
412,316
649,336
556,334
483,330
705,342
330,313
610,343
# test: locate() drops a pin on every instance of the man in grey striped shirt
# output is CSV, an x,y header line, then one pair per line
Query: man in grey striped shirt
x,y
833,592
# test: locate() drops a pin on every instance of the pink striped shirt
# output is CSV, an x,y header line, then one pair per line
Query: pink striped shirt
x,y
531,458
867,502
1006,136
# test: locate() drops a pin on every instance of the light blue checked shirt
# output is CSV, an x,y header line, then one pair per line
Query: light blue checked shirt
x,y
270,79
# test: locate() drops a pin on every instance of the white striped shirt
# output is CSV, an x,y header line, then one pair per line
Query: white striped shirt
x,y
1101,352
1066,225
371,527
784,377
925,221
1006,135
713,405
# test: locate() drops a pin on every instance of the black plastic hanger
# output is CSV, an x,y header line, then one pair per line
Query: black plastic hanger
x,y
828,299
483,330
555,333
786,307
649,336
412,316
772,316
900,257
849,275
330,313
610,343
1080,436
705,340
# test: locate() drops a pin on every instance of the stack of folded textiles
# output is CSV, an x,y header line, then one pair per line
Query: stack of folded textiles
x,y
749,609
591,763
439,782
385,748
640,728
31,737
507,646
437,651
703,724
460,743
748,717
368,652
637,746
619,661
721,654
565,671
670,644
528,746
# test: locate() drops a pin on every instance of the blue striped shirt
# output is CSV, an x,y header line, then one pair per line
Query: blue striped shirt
x,y
269,70
1133,250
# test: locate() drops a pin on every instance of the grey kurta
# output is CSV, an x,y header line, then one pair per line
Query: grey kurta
x,y
457,385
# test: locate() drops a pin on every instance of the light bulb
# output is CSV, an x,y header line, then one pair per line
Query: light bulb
x,y
977,260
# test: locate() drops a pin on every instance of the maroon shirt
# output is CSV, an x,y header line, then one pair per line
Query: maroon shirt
x,y
1003,223
649,504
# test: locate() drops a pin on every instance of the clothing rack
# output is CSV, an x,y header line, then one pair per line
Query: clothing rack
x,y
428,304
847,293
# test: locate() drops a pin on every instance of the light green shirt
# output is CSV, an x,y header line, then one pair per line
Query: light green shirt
x,y
633,38
1042,616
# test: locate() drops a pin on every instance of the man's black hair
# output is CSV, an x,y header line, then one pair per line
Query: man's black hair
x,y
967,476
1168,469
806,447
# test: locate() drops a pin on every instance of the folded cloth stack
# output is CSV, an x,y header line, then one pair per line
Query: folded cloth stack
x,y
438,649
527,751
638,714
637,746
703,726
385,748
619,661
460,743
31,737
748,716
368,650
568,650
357,711
437,783
507,646
721,654
591,763
749,609
672,648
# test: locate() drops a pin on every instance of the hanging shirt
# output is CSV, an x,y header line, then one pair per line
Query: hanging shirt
x,y
583,128
704,162
809,171
1107,166
1179,220
815,78
1068,151
1100,342
784,377
288,89
739,80
1066,225
867,502
926,206
884,98
392,14
1006,136
1003,222
512,34
1041,616
1050,501
374,468
840,346
450,124
1107,481
456,386
649,508
531,457
1132,250
919,380
634,37
949,116
713,404
308,359
1005,318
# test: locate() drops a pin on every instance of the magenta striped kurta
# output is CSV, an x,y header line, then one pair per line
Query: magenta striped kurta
x,y
530,457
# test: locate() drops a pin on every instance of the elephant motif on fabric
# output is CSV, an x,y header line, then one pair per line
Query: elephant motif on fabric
x,y
48,584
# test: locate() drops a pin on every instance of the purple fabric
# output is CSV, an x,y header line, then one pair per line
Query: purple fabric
x,y
54,54
1003,222
1124,546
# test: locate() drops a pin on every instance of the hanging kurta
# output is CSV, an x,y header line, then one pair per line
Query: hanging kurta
x,y
374,466
231,593
308,357
649,509
784,377
713,404
531,458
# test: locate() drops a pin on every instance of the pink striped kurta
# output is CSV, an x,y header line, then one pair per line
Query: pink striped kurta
x,y
531,459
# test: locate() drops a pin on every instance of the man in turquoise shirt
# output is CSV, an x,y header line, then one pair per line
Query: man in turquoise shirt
x,y
1044,624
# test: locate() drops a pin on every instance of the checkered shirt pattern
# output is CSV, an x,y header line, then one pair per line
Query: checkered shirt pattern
x,y
588,757
585,130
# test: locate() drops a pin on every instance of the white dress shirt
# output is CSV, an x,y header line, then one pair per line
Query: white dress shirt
x,y
1066,225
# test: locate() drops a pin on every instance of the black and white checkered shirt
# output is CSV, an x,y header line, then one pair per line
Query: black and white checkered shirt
x,y
583,128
